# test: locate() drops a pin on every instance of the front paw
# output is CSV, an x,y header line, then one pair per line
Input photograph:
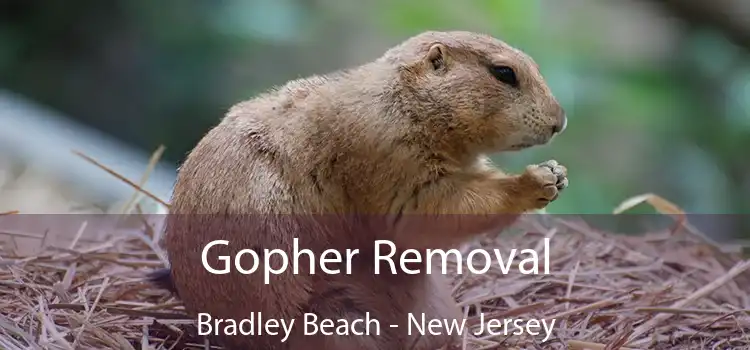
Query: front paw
x,y
544,182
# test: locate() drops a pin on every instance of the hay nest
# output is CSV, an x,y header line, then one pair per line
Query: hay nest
x,y
662,290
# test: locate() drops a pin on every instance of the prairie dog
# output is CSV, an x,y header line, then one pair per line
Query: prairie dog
x,y
394,149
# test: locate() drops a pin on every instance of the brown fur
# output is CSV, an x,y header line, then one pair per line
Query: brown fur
x,y
404,137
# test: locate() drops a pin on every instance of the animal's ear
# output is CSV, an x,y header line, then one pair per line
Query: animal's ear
x,y
437,56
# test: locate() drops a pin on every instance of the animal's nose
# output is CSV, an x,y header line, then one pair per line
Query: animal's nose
x,y
562,123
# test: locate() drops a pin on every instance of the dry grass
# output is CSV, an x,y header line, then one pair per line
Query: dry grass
x,y
661,290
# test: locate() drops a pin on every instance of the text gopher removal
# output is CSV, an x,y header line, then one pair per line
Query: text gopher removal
x,y
477,261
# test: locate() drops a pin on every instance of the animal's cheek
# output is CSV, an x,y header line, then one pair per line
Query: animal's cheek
x,y
488,103
531,118
516,121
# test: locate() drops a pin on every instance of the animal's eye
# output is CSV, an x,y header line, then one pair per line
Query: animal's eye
x,y
505,74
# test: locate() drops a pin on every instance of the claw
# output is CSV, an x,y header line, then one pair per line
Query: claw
x,y
551,163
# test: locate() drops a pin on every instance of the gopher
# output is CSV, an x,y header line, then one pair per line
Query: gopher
x,y
395,149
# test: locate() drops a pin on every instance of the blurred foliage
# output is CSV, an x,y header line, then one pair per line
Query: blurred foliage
x,y
153,73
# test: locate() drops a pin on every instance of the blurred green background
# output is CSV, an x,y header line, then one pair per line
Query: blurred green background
x,y
657,92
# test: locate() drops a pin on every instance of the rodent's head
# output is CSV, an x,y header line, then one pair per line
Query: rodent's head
x,y
478,90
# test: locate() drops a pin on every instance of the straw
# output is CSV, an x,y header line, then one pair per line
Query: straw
x,y
604,291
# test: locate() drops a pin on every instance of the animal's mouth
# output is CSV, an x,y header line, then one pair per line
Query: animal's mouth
x,y
529,142
520,146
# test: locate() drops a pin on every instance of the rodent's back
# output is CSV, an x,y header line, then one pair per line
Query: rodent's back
x,y
228,188
252,179
315,145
